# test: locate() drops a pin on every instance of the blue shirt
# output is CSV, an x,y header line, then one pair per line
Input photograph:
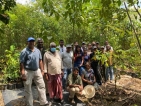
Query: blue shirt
x,y
86,58
30,59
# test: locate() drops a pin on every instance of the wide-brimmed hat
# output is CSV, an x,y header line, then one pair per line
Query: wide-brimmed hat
x,y
89,91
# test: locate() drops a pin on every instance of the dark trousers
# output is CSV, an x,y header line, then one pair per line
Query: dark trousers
x,y
95,67
103,72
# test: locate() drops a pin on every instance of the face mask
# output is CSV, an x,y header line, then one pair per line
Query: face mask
x,y
53,49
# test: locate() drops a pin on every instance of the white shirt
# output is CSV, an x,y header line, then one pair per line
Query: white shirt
x,y
67,59
62,49
106,49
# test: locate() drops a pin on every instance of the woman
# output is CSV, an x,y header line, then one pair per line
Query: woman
x,y
89,51
78,58
86,56
87,75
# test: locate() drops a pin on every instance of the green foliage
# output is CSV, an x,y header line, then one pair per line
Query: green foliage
x,y
11,67
6,5
75,20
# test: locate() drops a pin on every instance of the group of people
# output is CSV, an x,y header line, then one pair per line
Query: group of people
x,y
70,67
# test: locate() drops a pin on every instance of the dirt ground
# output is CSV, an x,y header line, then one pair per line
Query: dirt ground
x,y
127,92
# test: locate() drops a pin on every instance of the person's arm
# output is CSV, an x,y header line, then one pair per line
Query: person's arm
x,y
41,66
70,82
81,85
75,85
82,61
22,60
45,61
22,71
74,57
83,79
94,79
41,63
62,67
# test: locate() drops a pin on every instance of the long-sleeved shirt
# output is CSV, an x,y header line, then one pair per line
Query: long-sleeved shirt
x,y
52,63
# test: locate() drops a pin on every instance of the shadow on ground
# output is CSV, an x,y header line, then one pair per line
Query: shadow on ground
x,y
16,98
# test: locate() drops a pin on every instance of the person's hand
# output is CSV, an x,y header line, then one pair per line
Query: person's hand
x,y
23,77
42,73
90,82
75,85
80,87
46,76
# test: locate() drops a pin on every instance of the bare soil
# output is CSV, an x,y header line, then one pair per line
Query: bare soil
x,y
126,93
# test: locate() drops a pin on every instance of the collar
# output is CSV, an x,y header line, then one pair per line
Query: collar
x,y
30,49
52,53
61,47
75,77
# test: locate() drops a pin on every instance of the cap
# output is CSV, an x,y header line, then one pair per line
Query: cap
x,y
83,43
102,47
94,47
68,45
30,39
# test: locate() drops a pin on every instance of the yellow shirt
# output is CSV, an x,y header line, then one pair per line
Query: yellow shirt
x,y
110,61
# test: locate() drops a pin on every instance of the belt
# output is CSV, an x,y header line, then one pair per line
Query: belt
x,y
31,69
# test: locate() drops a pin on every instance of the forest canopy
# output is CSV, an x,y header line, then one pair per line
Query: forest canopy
x,y
75,20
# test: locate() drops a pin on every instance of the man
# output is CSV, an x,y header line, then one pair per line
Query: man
x,y
93,43
42,50
95,64
61,47
40,46
31,68
109,69
106,44
53,68
98,46
83,46
67,58
74,84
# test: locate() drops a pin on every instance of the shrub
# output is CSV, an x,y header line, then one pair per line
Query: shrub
x,y
11,66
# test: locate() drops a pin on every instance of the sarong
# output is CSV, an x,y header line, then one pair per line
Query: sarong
x,y
55,86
